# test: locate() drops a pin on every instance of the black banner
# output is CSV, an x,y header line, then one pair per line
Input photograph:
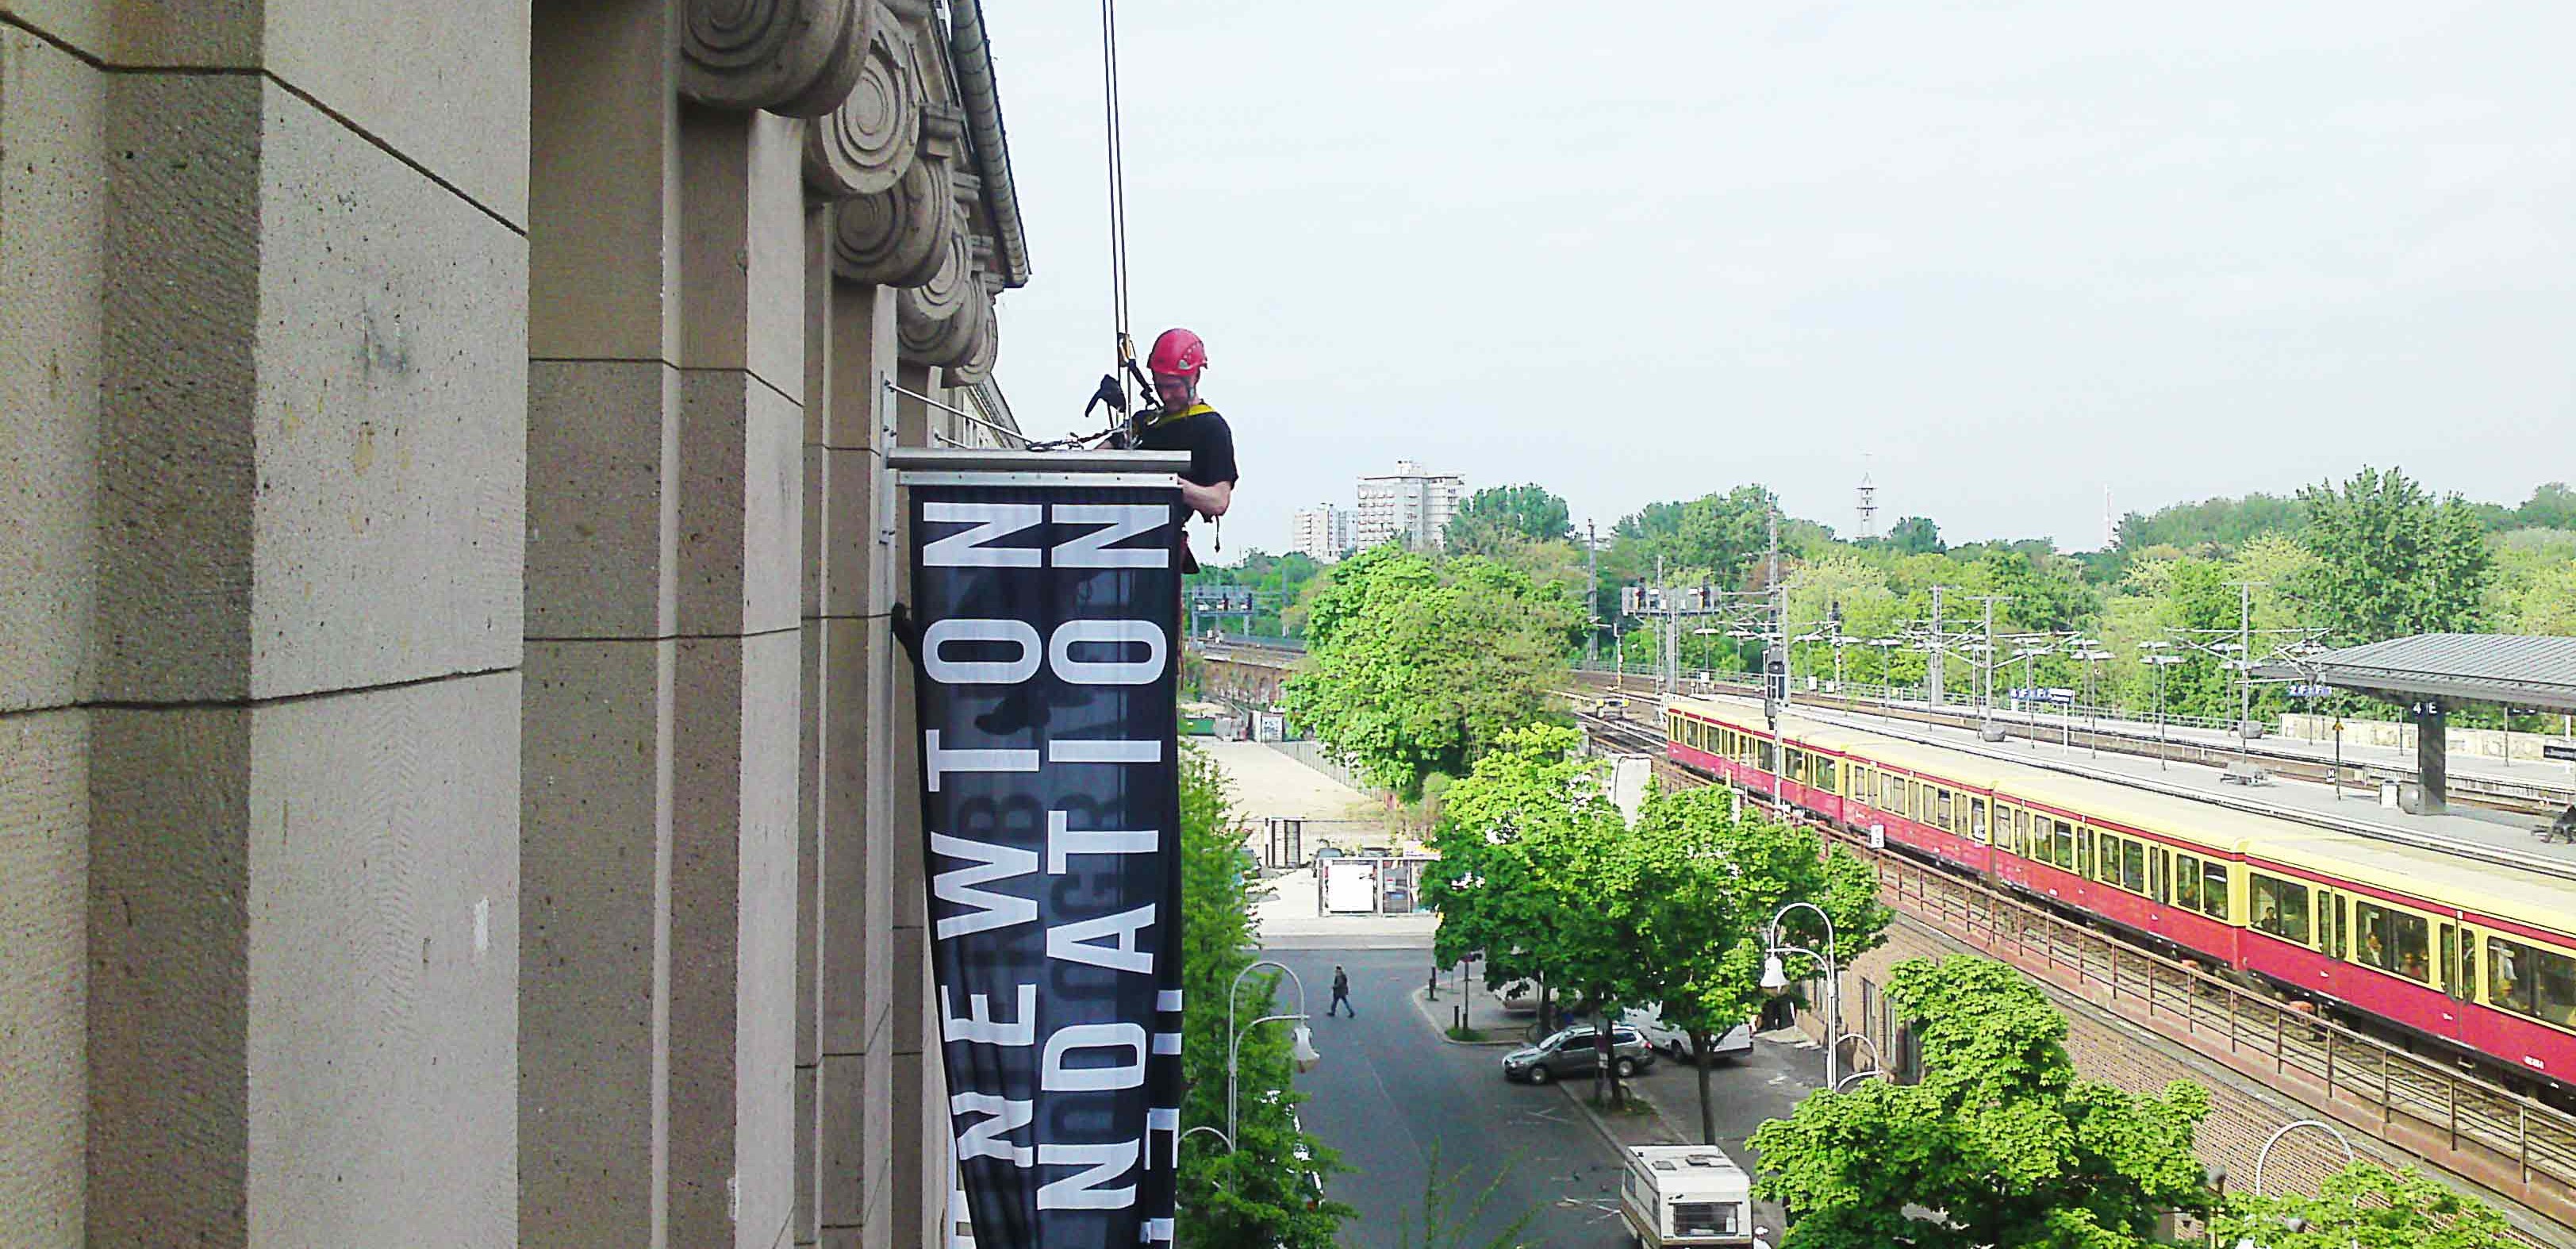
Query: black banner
x,y
1049,662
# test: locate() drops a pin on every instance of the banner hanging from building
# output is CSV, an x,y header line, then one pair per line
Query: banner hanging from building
x,y
1049,610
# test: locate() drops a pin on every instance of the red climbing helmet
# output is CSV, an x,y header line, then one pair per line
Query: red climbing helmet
x,y
1177,353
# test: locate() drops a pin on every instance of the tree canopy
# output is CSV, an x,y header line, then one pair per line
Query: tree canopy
x,y
1693,888
2000,1144
2365,1207
1496,519
1416,665
2391,561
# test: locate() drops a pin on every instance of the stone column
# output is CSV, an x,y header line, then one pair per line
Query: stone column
x,y
53,205
302,890
603,573
733,869
857,795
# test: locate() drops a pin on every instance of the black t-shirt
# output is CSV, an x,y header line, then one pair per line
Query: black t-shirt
x,y
1202,433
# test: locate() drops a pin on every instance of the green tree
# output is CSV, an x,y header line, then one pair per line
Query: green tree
x,y
1516,837
1693,891
2211,526
1916,535
1416,666
1255,1195
2365,1207
2552,506
2391,561
2001,1143
1720,533
1496,519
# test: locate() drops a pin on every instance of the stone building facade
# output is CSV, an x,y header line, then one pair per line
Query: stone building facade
x,y
454,785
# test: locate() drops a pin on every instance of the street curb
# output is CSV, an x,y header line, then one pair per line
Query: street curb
x,y
1583,1105
1423,1008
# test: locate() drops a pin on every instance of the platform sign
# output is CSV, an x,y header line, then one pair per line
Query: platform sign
x,y
2564,752
2310,691
1049,605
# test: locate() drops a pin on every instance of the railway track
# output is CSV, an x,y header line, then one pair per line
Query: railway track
x,y
2510,1143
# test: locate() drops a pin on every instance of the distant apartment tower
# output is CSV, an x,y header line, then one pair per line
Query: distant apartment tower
x,y
1323,533
1412,503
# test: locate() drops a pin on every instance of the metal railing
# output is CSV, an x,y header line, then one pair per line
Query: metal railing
x,y
2508,1142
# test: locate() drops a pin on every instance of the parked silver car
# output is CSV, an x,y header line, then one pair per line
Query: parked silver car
x,y
1573,1052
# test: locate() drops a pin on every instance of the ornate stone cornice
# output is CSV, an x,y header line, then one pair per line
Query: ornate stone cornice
x,y
865,146
798,58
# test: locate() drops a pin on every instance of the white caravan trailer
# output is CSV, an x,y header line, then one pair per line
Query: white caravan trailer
x,y
1686,1195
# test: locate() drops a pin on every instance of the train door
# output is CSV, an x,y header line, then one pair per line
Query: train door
x,y
2333,920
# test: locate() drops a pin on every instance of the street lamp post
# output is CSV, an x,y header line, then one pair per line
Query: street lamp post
x,y
1775,978
1301,1050
2264,1154
2158,659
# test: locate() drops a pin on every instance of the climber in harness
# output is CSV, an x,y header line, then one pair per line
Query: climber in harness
x,y
1179,421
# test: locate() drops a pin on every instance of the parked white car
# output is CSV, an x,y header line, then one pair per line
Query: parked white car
x,y
1675,1044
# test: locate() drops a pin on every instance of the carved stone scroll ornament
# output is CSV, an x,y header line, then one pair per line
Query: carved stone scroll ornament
x,y
865,146
923,313
797,58
901,236
978,364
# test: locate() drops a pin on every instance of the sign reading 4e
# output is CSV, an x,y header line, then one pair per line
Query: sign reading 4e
x,y
973,548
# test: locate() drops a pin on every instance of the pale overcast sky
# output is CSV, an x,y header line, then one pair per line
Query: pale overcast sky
x,y
1639,252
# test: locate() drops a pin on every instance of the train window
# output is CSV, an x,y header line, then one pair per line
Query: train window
x,y
1944,819
1828,774
2213,890
2159,861
1766,755
2391,940
2065,855
2133,866
1977,818
2280,907
2187,882
2554,987
2509,978
2331,924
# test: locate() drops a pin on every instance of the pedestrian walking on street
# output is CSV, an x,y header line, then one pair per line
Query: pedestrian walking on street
x,y
1342,993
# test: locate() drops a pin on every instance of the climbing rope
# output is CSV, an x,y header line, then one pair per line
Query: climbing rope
x,y
1125,345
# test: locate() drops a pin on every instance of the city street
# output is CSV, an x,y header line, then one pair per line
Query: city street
x,y
1390,1092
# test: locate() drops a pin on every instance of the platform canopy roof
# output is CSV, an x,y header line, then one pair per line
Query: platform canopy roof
x,y
2535,673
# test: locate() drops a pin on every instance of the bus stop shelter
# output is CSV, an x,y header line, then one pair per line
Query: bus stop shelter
x,y
2432,672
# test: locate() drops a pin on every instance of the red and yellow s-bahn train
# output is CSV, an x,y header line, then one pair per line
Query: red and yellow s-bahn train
x,y
2476,955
